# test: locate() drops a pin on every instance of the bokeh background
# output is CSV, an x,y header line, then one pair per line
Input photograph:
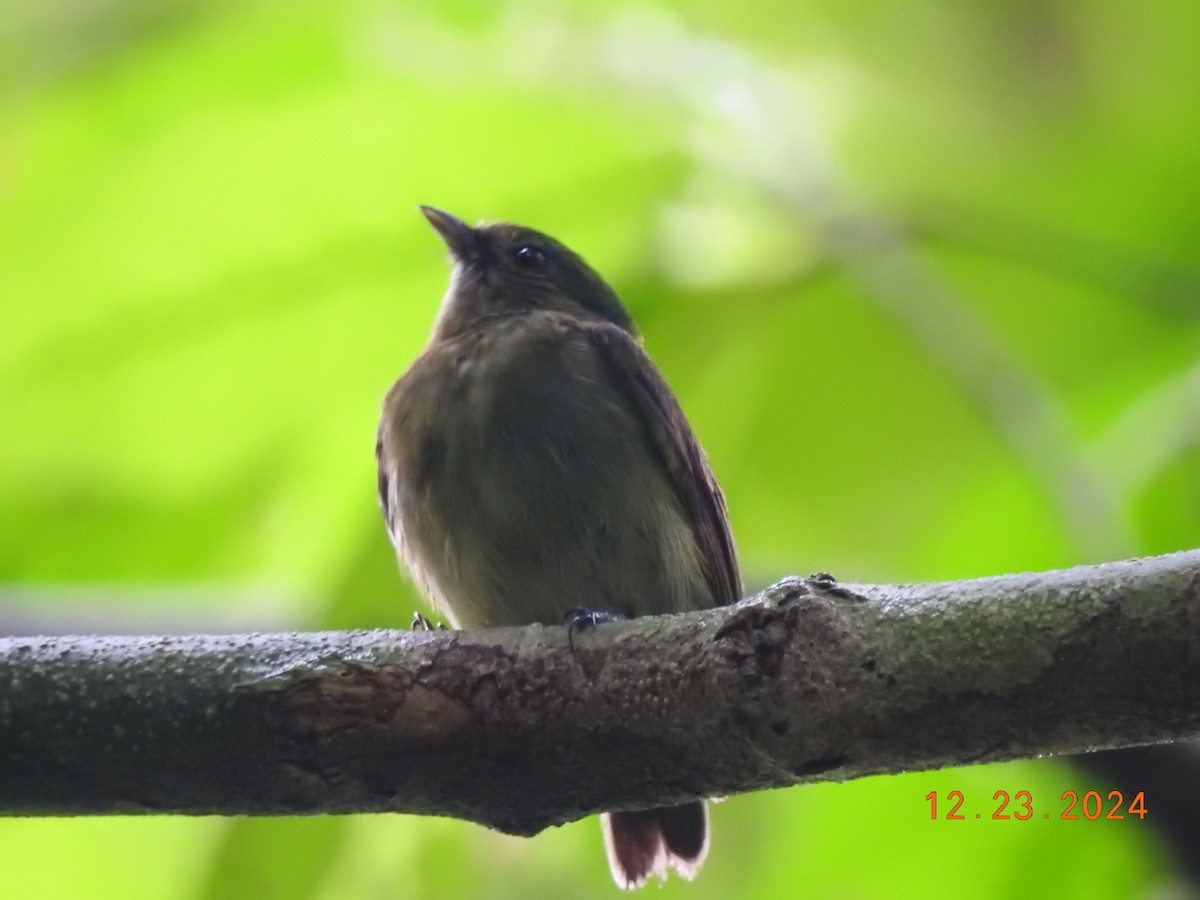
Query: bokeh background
x,y
925,276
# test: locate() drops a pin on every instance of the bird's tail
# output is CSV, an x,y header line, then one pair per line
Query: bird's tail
x,y
645,842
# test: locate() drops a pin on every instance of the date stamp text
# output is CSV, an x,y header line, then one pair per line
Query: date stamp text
x,y
1090,806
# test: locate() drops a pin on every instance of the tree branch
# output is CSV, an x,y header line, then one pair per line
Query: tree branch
x,y
810,680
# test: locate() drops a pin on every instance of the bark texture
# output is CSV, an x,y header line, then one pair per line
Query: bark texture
x,y
523,728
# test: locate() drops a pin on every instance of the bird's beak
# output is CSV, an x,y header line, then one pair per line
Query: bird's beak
x,y
460,237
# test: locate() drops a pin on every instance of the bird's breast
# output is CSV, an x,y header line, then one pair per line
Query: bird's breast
x,y
527,485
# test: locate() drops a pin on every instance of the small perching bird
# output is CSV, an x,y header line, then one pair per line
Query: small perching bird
x,y
533,462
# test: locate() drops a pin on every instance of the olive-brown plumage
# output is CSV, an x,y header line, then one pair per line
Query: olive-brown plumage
x,y
533,460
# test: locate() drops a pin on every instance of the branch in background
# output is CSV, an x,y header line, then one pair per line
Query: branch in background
x,y
810,680
1154,430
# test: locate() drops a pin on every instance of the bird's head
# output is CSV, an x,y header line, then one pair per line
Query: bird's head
x,y
503,268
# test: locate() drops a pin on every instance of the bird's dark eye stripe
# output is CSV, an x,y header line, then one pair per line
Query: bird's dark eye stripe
x,y
528,257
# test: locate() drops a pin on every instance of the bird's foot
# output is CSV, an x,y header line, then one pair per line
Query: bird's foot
x,y
420,623
580,619
826,583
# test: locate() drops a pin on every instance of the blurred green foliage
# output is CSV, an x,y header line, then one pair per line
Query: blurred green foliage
x,y
925,275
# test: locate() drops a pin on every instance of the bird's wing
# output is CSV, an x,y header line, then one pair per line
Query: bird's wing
x,y
668,431
381,467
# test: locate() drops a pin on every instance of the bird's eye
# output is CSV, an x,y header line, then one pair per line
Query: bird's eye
x,y
528,257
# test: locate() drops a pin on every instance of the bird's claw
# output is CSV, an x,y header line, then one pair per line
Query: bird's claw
x,y
580,619
420,623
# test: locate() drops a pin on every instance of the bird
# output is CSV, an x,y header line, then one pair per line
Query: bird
x,y
533,462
